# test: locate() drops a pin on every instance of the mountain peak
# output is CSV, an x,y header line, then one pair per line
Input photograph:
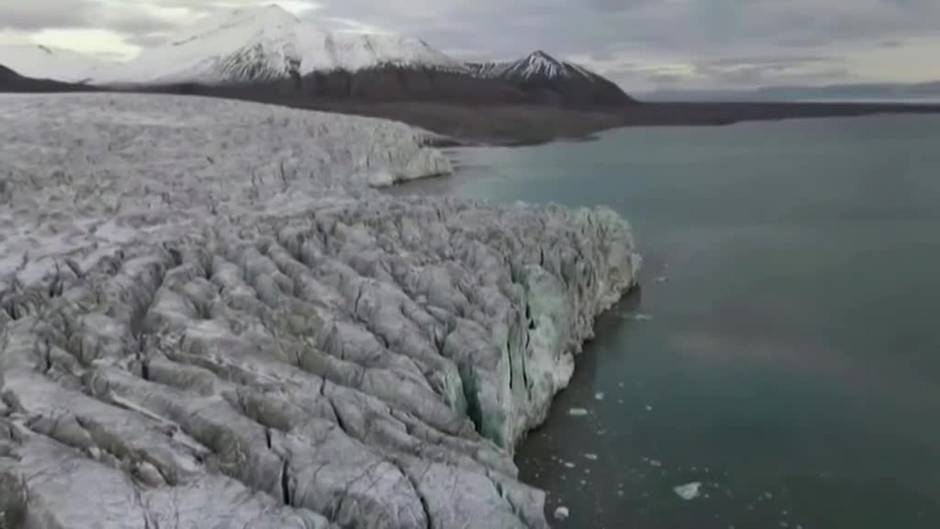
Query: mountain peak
x,y
271,15
557,80
267,11
542,55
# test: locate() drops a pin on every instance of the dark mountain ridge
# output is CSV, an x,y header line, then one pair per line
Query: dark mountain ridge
x,y
550,81
11,81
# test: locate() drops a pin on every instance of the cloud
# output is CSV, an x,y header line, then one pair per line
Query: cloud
x,y
40,14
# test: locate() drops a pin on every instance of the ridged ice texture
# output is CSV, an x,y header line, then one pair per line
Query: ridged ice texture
x,y
210,325
268,43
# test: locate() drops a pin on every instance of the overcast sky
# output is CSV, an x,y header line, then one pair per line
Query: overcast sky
x,y
642,44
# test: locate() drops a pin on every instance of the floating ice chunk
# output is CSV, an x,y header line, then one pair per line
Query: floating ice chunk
x,y
662,279
590,457
689,491
599,396
656,463
649,407
642,317
562,513
577,412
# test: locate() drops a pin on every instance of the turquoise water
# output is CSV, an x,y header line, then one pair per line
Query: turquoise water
x,y
784,349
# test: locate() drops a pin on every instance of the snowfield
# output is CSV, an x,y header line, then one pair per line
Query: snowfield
x,y
209,319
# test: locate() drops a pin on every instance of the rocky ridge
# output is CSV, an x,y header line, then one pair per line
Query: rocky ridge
x,y
548,80
212,321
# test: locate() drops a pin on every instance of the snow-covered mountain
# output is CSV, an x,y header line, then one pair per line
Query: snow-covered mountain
x,y
269,43
538,65
43,62
551,80
268,54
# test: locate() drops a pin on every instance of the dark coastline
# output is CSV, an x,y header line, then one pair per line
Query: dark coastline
x,y
516,125
468,122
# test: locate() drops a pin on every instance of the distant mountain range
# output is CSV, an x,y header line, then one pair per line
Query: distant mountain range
x,y
269,49
870,92
43,62
11,81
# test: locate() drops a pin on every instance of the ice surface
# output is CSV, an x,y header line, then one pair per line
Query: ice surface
x,y
208,319
689,491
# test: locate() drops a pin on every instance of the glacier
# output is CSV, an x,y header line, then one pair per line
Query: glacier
x,y
209,318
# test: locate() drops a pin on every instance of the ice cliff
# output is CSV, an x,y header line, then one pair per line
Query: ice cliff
x,y
208,319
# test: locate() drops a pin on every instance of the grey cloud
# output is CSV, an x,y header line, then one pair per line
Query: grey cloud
x,y
125,17
736,72
40,14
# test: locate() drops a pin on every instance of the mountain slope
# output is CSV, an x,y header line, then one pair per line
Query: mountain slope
x,y
269,43
549,80
11,81
43,62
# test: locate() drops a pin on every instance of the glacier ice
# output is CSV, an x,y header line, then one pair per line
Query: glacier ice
x,y
209,319
689,491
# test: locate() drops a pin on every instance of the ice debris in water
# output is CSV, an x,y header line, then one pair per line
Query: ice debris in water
x,y
577,412
599,396
689,491
590,457
562,513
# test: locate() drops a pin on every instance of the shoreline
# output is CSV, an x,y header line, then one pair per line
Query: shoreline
x,y
526,125
468,123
